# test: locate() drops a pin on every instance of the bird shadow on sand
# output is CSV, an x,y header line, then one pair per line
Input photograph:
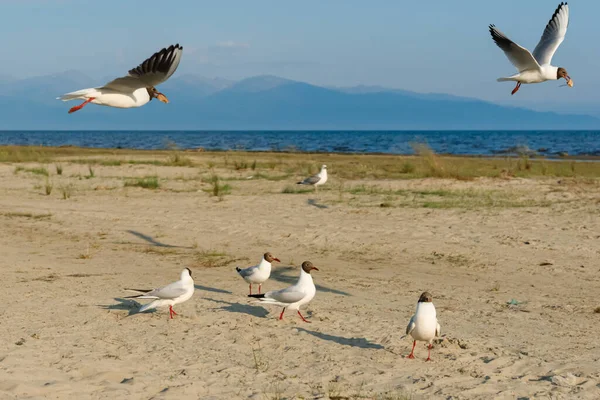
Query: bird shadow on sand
x,y
314,203
352,342
255,311
280,274
211,289
132,306
153,241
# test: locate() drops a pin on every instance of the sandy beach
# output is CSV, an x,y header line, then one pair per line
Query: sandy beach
x,y
511,261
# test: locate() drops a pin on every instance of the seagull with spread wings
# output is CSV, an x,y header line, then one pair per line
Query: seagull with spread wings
x,y
135,89
536,67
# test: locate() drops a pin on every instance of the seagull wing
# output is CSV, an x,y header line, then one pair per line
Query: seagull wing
x,y
311,180
286,296
553,35
169,292
152,72
519,56
411,325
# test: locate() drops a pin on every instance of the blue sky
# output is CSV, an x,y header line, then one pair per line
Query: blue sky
x,y
426,46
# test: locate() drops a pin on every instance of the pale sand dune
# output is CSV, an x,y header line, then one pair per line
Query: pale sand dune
x,y
66,332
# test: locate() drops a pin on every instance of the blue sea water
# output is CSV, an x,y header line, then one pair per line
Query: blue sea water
x,y
548,143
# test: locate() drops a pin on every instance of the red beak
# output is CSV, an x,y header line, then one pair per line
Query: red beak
x,y
276,259
315,268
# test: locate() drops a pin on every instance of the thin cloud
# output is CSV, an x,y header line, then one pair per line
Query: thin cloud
x,y
230,44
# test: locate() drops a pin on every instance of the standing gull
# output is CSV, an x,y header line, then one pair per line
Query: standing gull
x,y
258,273
423,326
173,293
135,89
294,296
316,180
536,67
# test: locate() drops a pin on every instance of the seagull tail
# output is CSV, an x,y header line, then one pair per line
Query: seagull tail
x,y
80,94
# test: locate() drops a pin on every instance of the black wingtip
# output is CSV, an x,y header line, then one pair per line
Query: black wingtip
x,y
257,296
238,269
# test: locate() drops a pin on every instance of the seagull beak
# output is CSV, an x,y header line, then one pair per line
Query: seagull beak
x,y
276,259
569,81
162,98
315,268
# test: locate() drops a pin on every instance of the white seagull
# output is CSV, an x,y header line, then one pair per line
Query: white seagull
x,y
316,180
536,67
423,326
173,293
258,273
294,296
135,89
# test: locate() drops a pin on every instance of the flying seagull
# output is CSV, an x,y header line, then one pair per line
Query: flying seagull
x,y
135,89
536,67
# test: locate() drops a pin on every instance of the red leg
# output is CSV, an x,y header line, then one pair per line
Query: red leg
x,y
303,319
516,89
429,353
250,288
281,315
172,312
259,287
79,107
412,352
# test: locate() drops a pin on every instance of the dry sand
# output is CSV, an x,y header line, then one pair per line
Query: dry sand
x,y
67,333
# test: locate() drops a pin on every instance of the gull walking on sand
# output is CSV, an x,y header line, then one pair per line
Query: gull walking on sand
x,y
173,293
258,273
536,67
135,89
423,326
316,180
294,296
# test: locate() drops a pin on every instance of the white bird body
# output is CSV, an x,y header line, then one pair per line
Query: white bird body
x,y
423,325
295,296
536,67
111,98
170,295
135,89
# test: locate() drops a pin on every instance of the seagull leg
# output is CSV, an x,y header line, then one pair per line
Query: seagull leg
x,y
303,319
429,353
412,352
79,107
281,315
516,89
172,312
250,288
259,287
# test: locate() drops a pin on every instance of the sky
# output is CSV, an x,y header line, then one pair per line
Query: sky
x,y
426,45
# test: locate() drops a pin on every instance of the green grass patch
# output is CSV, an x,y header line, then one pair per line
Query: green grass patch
x,y
148,182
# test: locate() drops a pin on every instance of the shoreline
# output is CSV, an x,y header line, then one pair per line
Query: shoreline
x,y
201,150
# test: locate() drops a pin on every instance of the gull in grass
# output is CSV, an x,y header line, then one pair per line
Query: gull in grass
x,y
258,273
135,89
536,67
423,326
294,296
316,180
173,293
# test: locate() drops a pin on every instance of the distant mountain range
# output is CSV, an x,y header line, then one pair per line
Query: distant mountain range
x,y
264,102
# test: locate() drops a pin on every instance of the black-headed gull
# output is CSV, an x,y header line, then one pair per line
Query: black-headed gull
x,y
294,296
173,293
135,89
258,273
536,67
316,180
423,326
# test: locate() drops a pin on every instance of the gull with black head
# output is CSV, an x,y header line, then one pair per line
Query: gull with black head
x,y
135,89
423,325
295,296
258,273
